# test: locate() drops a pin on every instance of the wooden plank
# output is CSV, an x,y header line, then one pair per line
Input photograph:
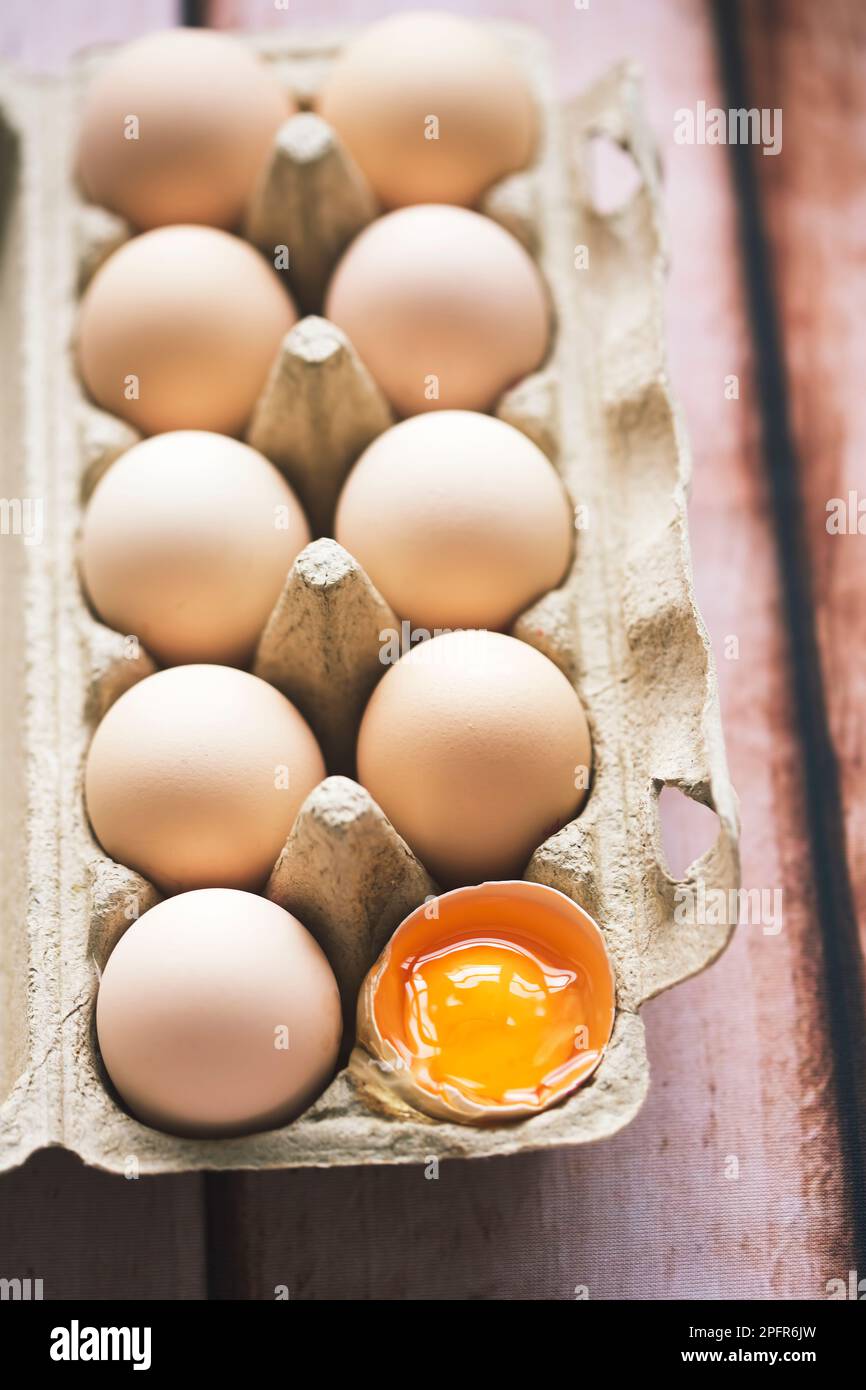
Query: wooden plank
x,y
42,38
740,1056
84,1233
810,66
87,1234
729,1183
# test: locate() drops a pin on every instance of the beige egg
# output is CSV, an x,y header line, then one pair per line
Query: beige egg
x,y
458,519
179,329
218,1014
177,127
195,776
431,107
445,307
186,544
477,749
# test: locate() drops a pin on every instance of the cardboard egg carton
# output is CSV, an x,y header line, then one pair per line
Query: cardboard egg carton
x,y
624,626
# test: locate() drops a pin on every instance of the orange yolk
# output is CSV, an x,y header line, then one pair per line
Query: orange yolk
x,y
495,1017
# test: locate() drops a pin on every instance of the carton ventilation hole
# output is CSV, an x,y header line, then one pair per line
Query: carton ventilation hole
x,y
613,176
688,830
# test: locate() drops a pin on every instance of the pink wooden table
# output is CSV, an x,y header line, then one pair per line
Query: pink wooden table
x,y
743,1175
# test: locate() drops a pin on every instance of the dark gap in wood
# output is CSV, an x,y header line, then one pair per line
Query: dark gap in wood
x,y
844,984
224,1251
193,13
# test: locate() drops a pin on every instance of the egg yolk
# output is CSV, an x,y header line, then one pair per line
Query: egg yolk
x,y
495,1018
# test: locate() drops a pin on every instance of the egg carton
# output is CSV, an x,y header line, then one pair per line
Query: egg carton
x,y
623,626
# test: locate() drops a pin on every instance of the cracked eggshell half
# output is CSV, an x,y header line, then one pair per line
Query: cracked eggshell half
x,y
490,1003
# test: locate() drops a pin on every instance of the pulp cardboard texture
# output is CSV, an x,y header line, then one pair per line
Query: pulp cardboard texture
x,y
624,626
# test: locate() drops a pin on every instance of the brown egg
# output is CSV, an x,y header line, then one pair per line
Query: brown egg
x,y
431,107
177,127
195,777
458,519
445,307
179,329
477,749
218,1014
187,542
